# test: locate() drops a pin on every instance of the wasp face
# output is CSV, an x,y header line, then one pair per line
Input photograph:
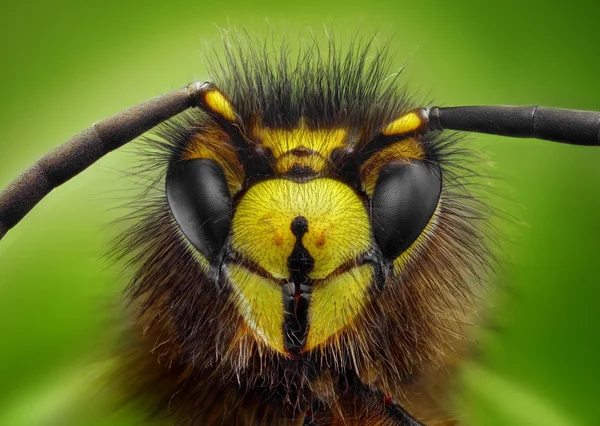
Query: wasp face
x,y
306,238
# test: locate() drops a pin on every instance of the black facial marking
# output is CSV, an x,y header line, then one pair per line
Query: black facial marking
x,y
303,152
296,294
299,227
298,172
346,165
258,164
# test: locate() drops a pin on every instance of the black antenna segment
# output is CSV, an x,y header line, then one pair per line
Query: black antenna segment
x,y
560,125
87,147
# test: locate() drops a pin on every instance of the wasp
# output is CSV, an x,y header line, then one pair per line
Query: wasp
x,y
313,246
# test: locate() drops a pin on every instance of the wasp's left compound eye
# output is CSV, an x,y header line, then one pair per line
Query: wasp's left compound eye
x,y
199,198
405,198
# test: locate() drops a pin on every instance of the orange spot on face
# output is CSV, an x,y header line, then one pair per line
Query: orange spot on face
x,y
321,239
278,239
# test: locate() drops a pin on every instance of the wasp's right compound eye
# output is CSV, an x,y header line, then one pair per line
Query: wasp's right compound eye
x,y
199,198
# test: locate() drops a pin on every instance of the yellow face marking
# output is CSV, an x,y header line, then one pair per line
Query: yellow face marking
x,y
216,101
282,141
216,145
336,303
408,123
339,228
402,150
260,302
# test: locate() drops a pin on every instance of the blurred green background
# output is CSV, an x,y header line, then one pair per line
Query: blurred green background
x,y
67,64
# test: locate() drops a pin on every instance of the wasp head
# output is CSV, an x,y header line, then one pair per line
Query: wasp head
x,y
307,215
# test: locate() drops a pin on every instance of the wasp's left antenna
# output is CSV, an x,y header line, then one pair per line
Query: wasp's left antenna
x,y
554,124
568,126
87,147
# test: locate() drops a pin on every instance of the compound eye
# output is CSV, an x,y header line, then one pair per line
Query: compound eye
x,y
199,198
405,198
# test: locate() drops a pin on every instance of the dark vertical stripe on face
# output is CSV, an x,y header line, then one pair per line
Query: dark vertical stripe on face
x,y
296,294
